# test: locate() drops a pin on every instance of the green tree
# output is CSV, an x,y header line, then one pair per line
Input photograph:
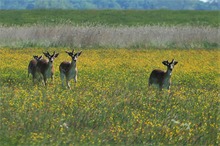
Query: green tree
x,y
110,4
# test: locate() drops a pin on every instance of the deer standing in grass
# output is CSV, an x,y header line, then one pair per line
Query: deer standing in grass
x,y
32,66
69,70
162,78
45,67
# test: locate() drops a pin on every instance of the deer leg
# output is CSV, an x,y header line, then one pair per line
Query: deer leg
x,y
29,71
33,80
45,80
68,83
161,87
75,78
149,84
168,88
52,77
62,76
33,77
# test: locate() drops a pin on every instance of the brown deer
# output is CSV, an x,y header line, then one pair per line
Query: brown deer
x,y
32,66
69,70
162,78
45,67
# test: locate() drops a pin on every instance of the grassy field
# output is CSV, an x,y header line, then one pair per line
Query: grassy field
x,y
111,103
109,17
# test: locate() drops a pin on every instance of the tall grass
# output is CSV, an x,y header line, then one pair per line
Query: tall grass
x,y
114,37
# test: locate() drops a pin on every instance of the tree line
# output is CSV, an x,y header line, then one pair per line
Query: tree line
x,y
110,4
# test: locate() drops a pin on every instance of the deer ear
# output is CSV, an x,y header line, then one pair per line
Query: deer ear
x,y
175,62
73,51
79,53
165,62
35,56
46,54
69,53
56,55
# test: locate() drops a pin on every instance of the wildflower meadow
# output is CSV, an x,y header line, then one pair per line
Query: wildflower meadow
x,y
111,104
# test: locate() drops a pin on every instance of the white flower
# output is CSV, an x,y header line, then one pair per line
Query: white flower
x,y
186,125
64,125
175,122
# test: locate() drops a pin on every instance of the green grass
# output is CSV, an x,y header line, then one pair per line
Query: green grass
x,y
110,17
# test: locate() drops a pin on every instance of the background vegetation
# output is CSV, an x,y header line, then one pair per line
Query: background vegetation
x,y
141,37
110,17
110,4
110,29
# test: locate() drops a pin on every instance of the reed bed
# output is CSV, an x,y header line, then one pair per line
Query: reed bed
x,y
110,37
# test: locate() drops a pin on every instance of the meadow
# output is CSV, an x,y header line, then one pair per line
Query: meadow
x,y
111,103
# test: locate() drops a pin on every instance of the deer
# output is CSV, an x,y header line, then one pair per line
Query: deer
x,y
69,70
162,78
45,67
32,66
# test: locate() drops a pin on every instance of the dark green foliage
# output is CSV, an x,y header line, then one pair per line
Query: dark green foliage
x,y
110,4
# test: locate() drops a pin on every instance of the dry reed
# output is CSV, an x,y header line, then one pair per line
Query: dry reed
x,y
106,36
